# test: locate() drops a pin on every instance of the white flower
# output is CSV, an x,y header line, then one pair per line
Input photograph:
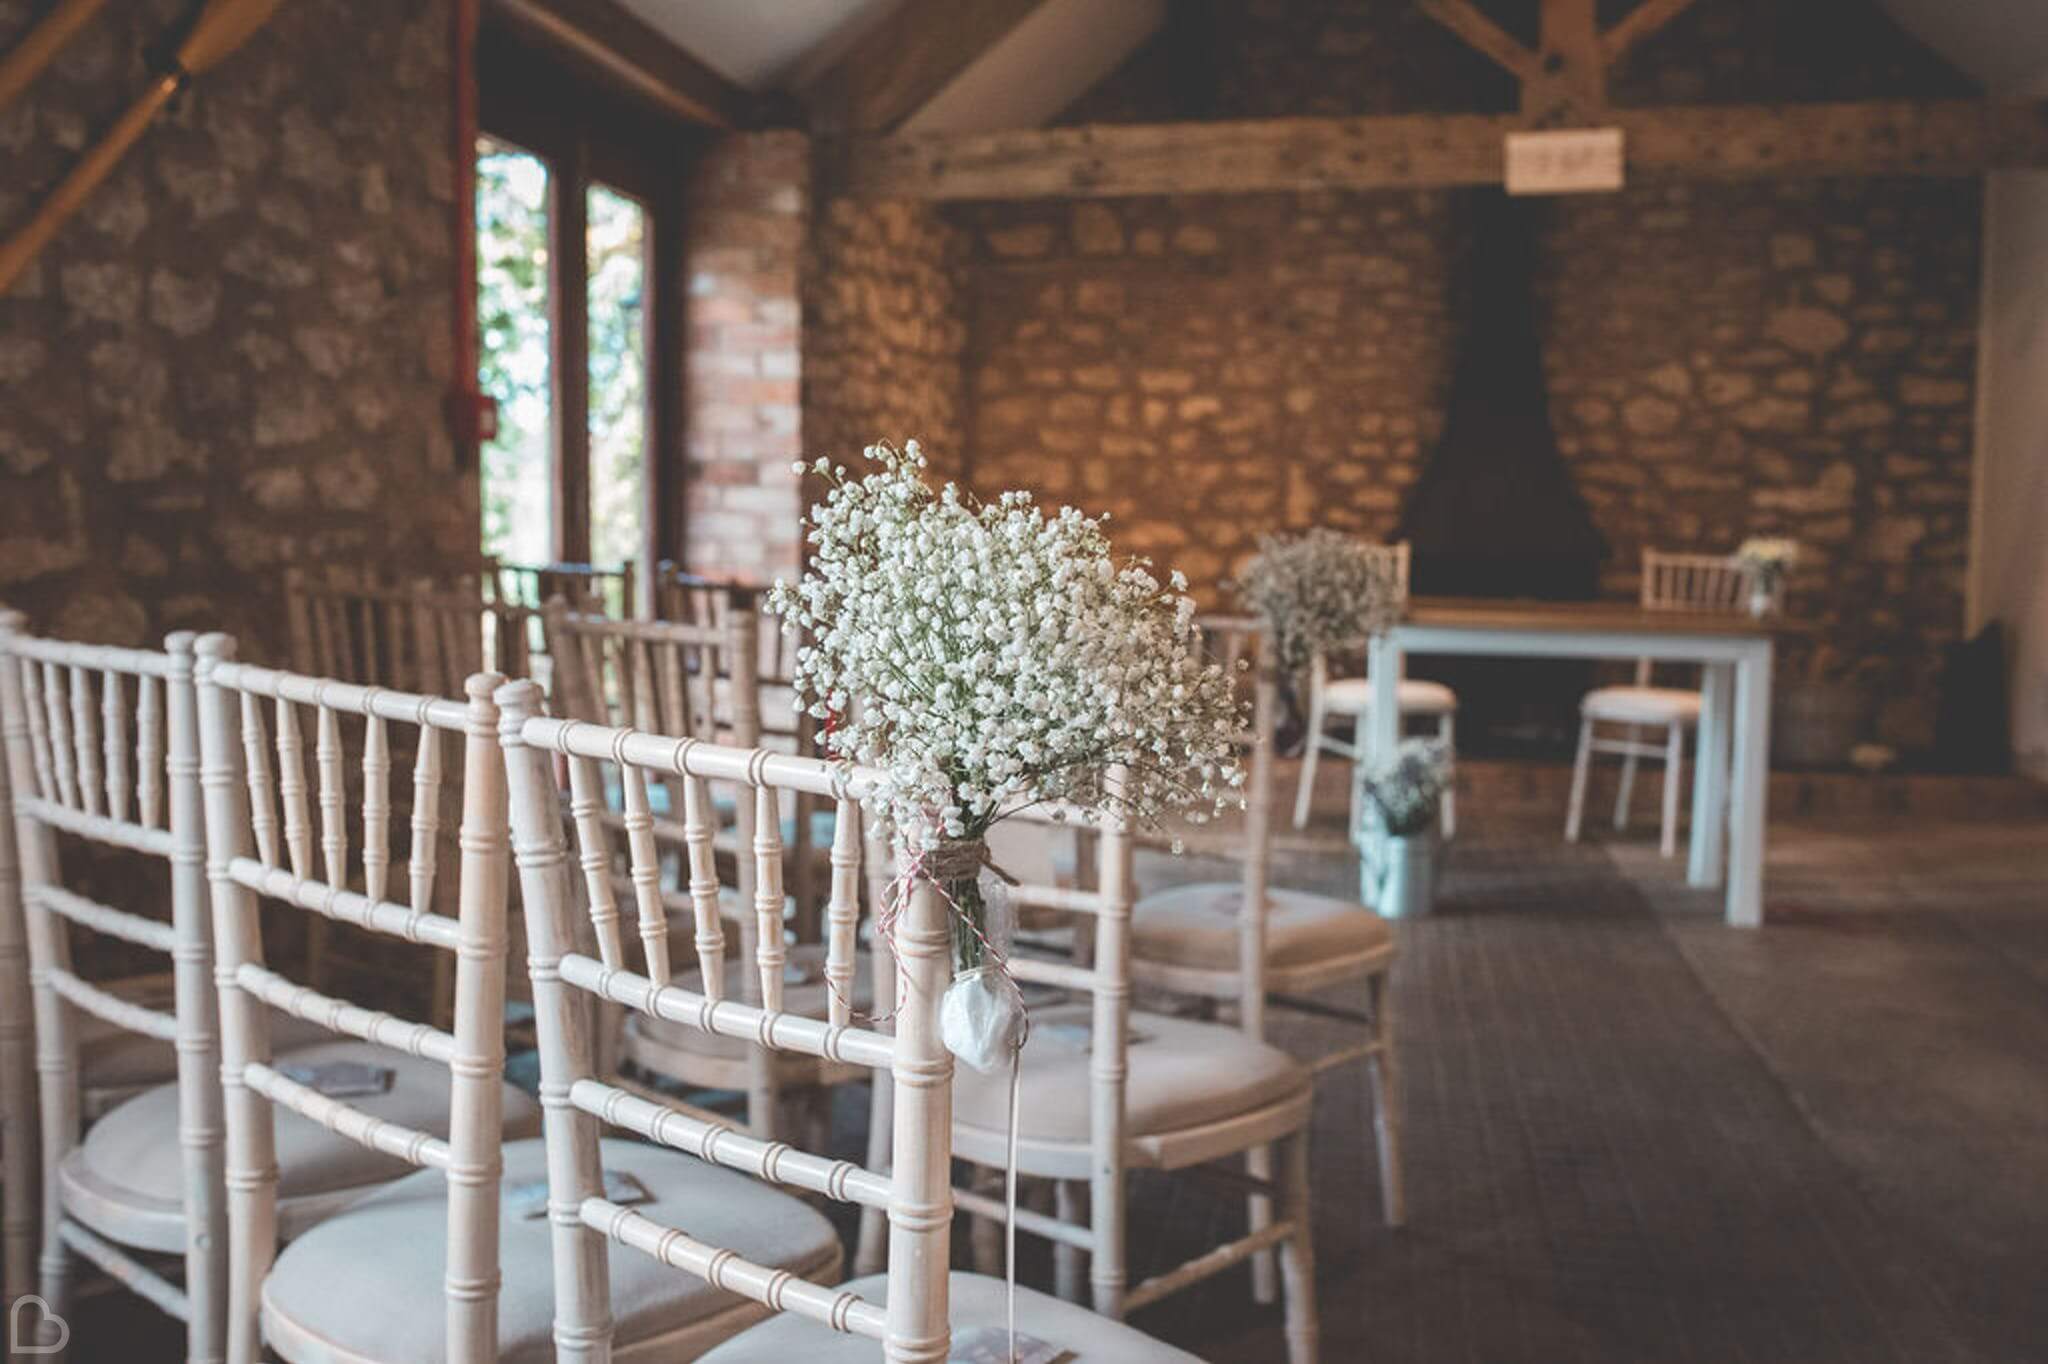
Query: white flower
x,y
1319,593
988,657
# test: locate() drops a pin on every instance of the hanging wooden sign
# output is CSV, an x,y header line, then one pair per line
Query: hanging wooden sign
x,y
1570,161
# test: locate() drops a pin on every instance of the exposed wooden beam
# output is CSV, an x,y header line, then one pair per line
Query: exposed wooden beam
x,y
1482,34
1570,81
894,70
1931,138
604,35
1645,19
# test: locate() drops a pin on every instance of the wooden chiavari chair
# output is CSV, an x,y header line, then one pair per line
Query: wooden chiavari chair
x,y
1351,697
697,679
692,598
1216,940
914,1308
405,1077
71,770
1103,1090
1697,584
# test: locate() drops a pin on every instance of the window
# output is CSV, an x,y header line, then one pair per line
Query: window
x,y
515,353
577,310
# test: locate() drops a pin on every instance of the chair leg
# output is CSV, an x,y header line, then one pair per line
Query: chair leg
x,y
1297,1253
1311,750
1575,811
1258,1163
1383,1069
1447,730
1627,792
1070,1263
1674,774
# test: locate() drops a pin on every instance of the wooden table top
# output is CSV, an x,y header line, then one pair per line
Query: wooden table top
x,y
1588,617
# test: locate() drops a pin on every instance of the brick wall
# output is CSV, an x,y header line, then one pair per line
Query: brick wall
x,y
235,356
746,209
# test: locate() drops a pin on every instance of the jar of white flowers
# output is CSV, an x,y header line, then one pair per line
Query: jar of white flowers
x,y
988,657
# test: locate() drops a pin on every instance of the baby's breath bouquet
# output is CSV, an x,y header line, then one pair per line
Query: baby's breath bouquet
x,y
988,657
1320,593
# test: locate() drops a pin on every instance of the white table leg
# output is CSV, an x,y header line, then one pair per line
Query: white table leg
x,y
1710,775
1751,787
1385,663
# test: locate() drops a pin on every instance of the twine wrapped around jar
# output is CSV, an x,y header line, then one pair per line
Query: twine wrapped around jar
x,y
981,1019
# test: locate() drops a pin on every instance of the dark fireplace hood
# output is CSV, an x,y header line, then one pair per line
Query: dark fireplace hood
x,y
1494,512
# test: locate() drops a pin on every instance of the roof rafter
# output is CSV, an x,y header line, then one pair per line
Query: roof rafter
x,y
896,68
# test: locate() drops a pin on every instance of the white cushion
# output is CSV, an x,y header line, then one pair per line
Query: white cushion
x,y
1353,696
1197,926
1642,705
368,1281
129,1171
1182,1074
971,1300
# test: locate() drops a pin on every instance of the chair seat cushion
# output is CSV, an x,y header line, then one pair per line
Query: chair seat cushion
x,y
1182,1074
1642,705
804,991
1353,696
367,1283
111,1058
972,1300
128,1175
1196,926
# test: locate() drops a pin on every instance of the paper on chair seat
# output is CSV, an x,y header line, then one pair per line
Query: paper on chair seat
x,y
529,1198
339,1079
991,1345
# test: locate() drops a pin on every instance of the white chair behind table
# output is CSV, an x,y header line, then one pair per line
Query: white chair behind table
x,y
1351,698
74,768
696,679
435,1221
1204,939
1698,584
1104,1091
914,1307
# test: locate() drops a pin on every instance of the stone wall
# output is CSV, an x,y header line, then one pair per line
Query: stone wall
x,y
746,210
884,339
1207,369
1785,359
235,356
1724,358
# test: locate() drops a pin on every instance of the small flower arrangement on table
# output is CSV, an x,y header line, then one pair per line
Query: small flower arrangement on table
x,y
1319,593
989,657
1766,560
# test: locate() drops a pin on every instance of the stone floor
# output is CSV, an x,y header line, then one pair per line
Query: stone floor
x,y
1636,1135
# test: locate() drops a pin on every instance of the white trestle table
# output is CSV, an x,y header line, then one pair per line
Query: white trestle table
x,y
1734,652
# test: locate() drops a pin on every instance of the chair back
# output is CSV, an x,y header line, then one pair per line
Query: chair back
x,y
250,855
416,637
93,737
915,1195
608,589
1392,560
695,678
694,599
1244,649
1694,584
